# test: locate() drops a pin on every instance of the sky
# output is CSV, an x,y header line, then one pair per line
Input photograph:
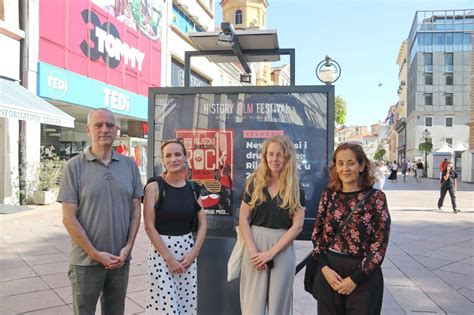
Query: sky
x,y
363,36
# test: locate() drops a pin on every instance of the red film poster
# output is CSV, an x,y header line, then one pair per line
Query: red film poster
x,y
210,162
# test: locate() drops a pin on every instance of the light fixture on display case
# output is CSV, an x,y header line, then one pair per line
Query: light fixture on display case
x,y
246,78
225,40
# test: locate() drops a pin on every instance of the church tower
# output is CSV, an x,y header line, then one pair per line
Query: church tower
x,y
249,14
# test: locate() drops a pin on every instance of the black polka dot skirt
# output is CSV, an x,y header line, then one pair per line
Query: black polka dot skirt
x,y
170,293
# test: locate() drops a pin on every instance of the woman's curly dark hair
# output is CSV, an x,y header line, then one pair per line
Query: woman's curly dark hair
x,y
366,178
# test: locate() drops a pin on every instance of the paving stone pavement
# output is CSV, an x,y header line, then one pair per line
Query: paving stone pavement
x,y
429,267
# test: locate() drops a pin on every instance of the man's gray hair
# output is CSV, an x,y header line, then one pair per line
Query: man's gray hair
x,y
89,115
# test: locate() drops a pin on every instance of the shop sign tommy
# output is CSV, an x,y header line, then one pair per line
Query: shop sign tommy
x,y
108,45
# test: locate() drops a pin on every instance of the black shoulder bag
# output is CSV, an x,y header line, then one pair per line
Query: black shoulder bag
x,y
312,274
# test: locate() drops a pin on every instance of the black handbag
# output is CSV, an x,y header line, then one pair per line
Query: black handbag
x,y
312,274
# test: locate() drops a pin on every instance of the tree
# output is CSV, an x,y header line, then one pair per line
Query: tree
x,y
379,154
425,147
340,110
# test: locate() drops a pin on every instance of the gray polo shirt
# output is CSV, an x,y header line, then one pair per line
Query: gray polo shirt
x,y
104,196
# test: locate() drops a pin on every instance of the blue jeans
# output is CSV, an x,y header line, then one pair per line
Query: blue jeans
x,y
90,282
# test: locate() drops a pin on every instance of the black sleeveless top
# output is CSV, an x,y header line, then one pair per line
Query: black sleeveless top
x,y
175,210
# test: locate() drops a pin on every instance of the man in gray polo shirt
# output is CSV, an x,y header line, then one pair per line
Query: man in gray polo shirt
x,y
100,194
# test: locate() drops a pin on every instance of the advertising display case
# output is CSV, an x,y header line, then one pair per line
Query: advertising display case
x,y
222,129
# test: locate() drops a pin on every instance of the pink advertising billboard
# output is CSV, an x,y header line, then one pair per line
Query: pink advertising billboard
x,y
117,42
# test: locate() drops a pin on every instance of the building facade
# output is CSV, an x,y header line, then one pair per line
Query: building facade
x,y
247,14
439,78
22,112
402,101
182,18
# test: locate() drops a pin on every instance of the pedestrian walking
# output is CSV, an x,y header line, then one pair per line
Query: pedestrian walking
x,y
350,258
442,167
419,170
100,193
380,173
271,217
170,206
393,171
404,168
410,168
448,184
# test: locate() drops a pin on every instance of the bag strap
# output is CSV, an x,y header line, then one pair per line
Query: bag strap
x,y
367,194
161,187
195,188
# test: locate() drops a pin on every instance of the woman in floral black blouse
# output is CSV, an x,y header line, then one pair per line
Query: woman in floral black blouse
x,y
350,260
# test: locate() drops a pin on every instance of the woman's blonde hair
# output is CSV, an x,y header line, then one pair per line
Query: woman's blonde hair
x,y
289,189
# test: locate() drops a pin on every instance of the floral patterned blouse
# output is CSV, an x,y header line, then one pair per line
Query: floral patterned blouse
x,y
365,235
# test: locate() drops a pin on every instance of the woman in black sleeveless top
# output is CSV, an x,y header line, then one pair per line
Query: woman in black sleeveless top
x,y
172,270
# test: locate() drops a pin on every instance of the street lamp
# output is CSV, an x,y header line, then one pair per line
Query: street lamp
x,y
426,135
328,70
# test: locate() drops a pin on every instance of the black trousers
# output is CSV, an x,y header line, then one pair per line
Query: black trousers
x,y
366,299
452,193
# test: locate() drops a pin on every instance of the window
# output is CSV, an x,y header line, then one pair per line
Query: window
x,y
449,141
449,78
428,62
238,17
448,97
428,121
428,78
448,62
428,98
449,121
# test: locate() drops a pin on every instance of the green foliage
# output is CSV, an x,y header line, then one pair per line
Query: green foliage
x,y
340,110
425,147
48,173
379,154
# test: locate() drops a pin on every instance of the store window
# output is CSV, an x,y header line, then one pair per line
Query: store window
x,y
428,121
448,98
428,62
449,78
238,17
428,78
449,121
448,62
428,98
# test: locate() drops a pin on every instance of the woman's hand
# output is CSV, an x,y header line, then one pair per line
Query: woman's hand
x,y
346,286
188,259
175,266
259,260
332,277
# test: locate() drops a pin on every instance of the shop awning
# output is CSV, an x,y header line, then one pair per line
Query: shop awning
x,y
19,103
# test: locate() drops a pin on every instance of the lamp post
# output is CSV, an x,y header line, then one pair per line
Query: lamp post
x,y
328,70
426,135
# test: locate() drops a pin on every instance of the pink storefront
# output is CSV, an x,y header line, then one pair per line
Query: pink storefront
x,y
98,54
